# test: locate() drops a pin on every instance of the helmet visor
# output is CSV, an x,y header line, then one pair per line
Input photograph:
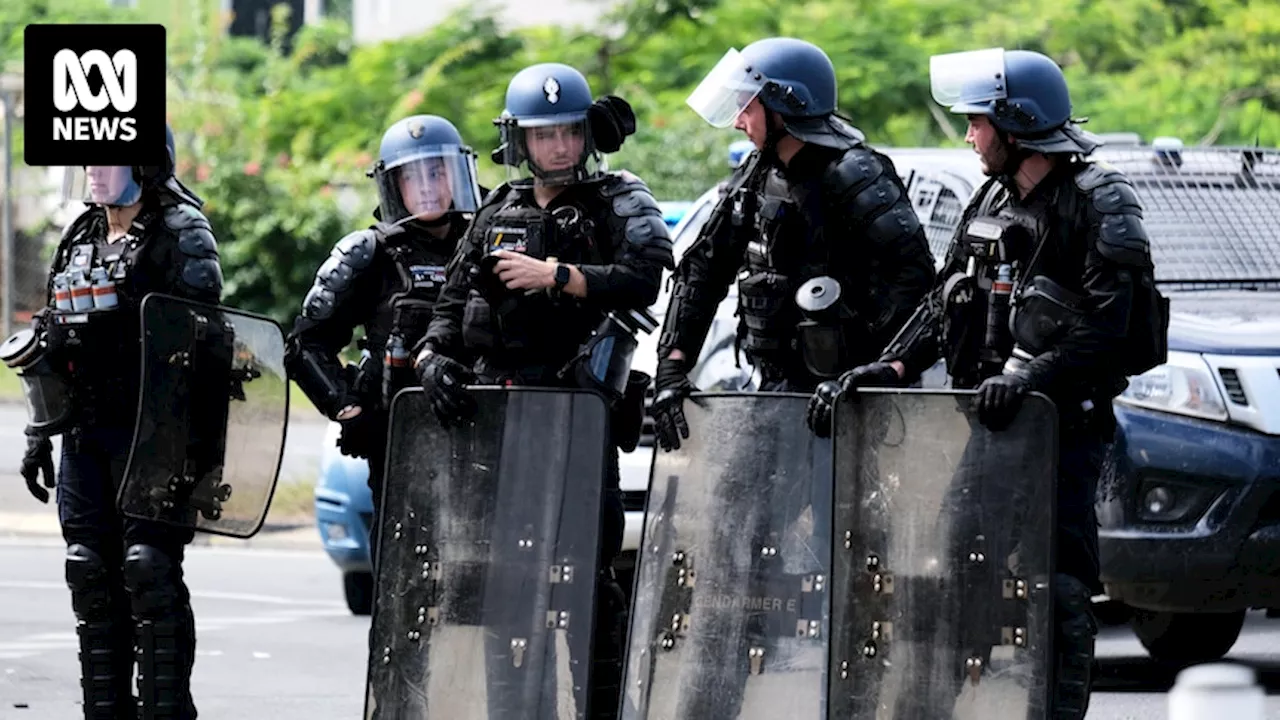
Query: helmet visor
x,y
112,185
727,90
427,183
550,155
973,76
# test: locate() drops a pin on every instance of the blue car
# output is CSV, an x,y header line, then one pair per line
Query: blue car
x,y
344,503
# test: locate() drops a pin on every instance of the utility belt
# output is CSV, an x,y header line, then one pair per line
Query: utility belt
x,y
779,319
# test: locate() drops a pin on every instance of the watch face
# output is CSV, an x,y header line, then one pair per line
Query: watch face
x,y
562,274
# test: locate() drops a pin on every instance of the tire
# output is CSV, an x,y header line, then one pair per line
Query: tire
x,y
1183,639
358,587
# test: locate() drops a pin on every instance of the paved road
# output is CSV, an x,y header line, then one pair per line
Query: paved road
x,y
277,642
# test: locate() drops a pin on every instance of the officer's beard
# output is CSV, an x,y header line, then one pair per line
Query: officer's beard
x,y
1006,161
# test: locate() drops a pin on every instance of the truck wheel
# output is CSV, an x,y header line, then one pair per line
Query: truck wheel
x,y
358,587
1187,638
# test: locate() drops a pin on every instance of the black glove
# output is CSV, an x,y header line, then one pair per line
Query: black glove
x,y
611,121
999,398
39,458
359,435
823,402
445,381
673,386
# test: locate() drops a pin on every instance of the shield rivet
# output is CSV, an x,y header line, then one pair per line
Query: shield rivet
x,y
677,557
869,650
873,563
668,641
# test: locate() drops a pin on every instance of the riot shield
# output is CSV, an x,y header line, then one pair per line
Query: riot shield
x,y
486,571
943,558
211,418
730,619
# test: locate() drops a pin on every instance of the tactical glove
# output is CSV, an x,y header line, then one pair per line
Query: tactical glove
x,y
673,386
38,459
823,402
999,398
445,381
360,433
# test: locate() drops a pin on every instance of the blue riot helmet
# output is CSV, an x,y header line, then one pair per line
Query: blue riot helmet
x,y
121,186
424,171
1022,93
792,78
545,133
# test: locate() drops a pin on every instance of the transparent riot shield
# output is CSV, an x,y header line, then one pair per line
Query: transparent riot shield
x,y
730,619
486,568
212,416
943,557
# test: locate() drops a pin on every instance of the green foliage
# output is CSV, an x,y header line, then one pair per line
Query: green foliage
x,y
272,139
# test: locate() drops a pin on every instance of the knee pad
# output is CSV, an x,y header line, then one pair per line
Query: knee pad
x,y
148,574
88,578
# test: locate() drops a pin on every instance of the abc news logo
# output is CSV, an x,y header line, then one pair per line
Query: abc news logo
x,y
71,91
95,95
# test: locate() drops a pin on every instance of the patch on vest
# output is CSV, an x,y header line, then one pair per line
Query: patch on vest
x,y
508,238
427,276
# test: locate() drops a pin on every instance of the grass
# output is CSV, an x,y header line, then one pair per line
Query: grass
x,y
293,503
10,385
300,407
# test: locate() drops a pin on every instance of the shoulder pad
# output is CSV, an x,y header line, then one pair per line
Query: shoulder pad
x,y
1122,237
617,183
349,257
1096,173
1110,192
634,200
357,248
182,216
197,246
858,165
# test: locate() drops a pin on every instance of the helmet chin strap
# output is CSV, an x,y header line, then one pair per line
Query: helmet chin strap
x,y
773,133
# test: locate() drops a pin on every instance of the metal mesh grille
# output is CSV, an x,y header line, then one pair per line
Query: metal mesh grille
x,y
939,211
1213,214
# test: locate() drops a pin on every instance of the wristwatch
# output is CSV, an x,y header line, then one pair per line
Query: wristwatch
x,y
562,277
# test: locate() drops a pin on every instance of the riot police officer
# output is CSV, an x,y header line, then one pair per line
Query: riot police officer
x,y
385,278
143,232
1064,238
832,254
554,254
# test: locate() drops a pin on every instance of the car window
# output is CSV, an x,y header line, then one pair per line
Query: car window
x,y
691,224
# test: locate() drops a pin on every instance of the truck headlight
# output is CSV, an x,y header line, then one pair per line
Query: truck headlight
x,y
1183,385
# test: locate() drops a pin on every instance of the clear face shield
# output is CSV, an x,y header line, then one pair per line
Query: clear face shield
x,y
727,90
550,152
427,183
46,393
963,79
107,185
